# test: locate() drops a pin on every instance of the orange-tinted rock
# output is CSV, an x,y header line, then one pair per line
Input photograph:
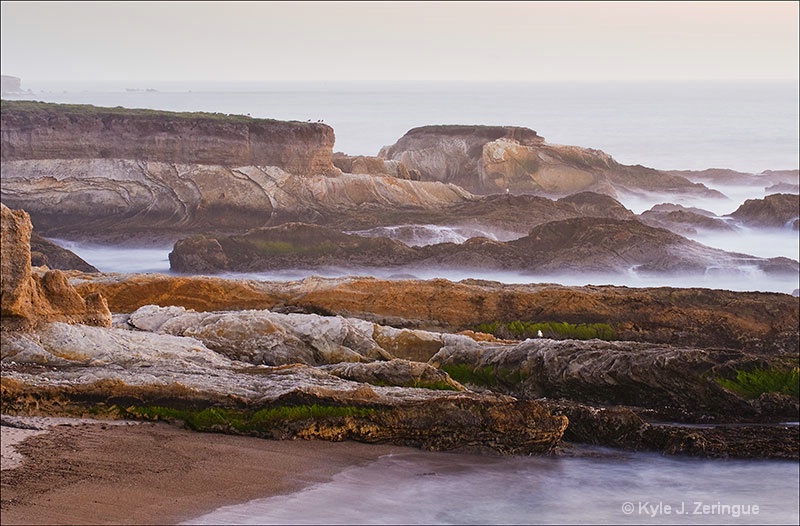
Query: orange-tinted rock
x,y
29,298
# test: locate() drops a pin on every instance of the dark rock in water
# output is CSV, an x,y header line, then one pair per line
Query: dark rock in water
x,y
682,220
494,159
579,244
774,211
45,253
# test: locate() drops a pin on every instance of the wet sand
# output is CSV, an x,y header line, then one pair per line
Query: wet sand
x,y
156,473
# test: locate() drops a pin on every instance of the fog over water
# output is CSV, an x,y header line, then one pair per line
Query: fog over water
x,y
450,488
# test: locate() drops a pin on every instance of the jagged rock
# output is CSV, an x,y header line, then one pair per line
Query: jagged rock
x,y
27,298
677,383
722,176
119,370
620,427
757,321
776,211
494,159
684,221
578,244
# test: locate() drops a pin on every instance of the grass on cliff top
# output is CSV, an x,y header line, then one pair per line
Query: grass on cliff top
x,y
243,421
550,329
754,383
90,110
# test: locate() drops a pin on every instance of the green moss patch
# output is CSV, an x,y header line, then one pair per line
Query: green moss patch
x,y
245,421
754,383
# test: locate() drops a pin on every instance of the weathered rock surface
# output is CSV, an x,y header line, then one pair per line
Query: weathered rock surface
x,y
723,176
674,383
494,159
69,369
37,130
363,164
112,199
579,244
28,298
775,211
759,322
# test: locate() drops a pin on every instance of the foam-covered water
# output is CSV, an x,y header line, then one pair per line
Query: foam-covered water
x,y
599,487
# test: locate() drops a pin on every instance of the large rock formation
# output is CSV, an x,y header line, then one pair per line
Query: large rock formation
x,y
495,159
28,298
37,130
574,245
774,211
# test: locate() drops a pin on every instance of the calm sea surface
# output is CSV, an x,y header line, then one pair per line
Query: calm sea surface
x,y
749,126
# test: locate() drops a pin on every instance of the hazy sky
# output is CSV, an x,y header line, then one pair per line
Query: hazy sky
x,y
399,40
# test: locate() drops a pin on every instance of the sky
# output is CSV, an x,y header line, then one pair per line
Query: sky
x,y
377,41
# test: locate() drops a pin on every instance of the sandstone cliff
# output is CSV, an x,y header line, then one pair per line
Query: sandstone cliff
x,y
36,130
494,159
29,299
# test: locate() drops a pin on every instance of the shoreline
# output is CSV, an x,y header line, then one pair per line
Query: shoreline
x,y
159,473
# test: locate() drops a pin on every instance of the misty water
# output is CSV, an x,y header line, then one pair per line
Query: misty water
x,y
596,487
747,126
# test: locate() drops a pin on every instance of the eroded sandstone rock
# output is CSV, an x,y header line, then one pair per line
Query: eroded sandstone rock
x,y
757,321
27,298
494,159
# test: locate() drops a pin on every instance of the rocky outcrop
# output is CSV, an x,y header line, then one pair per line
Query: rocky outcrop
x,y
722,176
27,298
45,253
684,220
141,374
774,211
497,159
114,199
37,130
579,244
705,318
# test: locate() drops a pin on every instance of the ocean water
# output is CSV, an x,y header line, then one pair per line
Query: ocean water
x,y
599,487
745,126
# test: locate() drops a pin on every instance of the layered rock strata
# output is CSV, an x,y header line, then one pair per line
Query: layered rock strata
x,y
37,130
496,159
757,321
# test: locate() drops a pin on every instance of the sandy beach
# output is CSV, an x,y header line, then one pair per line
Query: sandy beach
x,y
155,473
